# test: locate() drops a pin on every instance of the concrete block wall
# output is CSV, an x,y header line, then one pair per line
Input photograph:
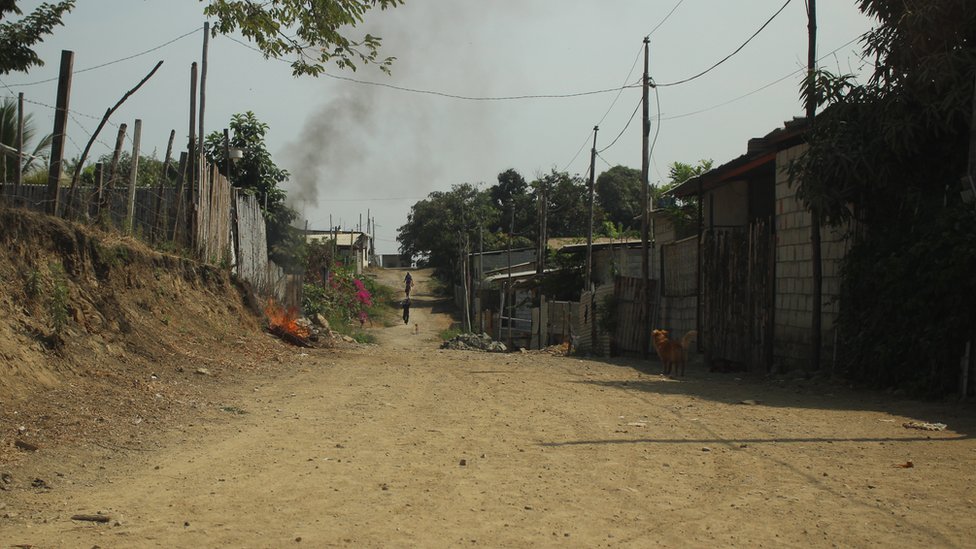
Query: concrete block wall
x,y
794,275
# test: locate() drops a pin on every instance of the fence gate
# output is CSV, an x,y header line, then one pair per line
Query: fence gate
x,y
738,295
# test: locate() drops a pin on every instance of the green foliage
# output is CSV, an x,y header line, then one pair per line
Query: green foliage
x,y
619,194
307,30
889,155
446,223
8,136
344,298
683,214
256,173
449,333
909,303
150,171
565,282
57,305
511,191
33,285
17,38
568,200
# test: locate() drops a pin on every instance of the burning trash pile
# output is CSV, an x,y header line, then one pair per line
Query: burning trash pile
x,y
474,342
301,332
285,324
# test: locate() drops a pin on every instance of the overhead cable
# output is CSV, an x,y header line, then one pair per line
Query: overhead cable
x,y
451,95
133,56
666,17
729,56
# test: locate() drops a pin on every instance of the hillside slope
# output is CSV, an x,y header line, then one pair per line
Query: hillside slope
x,y
97,331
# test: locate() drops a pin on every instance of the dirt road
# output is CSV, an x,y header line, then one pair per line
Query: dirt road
x,y
401,444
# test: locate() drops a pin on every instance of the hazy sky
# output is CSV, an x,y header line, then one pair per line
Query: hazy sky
x,y
353,147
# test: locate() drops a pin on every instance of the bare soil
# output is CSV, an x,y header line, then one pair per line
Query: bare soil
x,y
401,444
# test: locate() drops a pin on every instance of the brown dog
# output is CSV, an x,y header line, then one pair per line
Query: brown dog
x,y
672,353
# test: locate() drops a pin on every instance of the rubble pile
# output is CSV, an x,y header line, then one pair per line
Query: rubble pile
x,y
474,342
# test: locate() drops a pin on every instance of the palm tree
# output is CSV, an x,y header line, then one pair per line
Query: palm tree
x,y
8,138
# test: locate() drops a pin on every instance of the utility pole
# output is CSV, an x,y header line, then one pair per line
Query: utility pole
x,y
60,131
539,246
589,226
645,332
203,101
508,285
816,335
191,145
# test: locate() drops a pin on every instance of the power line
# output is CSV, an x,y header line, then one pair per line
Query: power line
x,y
625,127
376,199
451,95
757,90
729,56
133,56
578,151
666,17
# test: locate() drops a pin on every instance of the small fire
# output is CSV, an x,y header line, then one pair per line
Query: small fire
x,y
284,320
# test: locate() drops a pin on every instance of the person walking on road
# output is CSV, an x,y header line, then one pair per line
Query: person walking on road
x,y
406,311
407,284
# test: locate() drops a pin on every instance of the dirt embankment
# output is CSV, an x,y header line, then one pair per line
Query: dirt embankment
x,y
99,331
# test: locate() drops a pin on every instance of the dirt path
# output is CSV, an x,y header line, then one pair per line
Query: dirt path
x,y
404,445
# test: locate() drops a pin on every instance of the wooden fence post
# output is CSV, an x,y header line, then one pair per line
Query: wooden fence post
x,y
159,224
133,176
60,128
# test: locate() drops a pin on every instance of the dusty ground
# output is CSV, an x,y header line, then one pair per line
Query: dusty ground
x,y
401,444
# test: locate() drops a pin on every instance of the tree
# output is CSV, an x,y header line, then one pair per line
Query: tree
x,y
445,224
679,172
512,190
17,38
307,29
257,174
683,214
8,137
888,155
618,193
568,198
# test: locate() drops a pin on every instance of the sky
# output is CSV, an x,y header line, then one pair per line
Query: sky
x,y
356,149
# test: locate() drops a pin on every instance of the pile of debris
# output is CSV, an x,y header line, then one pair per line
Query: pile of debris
x,y
474,342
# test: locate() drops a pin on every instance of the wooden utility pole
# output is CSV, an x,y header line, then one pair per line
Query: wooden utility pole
x,y
203,102
191,167
589,225
130,209
508,285
816,335
645,332
540,247
60,131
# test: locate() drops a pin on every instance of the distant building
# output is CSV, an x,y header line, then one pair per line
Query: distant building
x,y
353,248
